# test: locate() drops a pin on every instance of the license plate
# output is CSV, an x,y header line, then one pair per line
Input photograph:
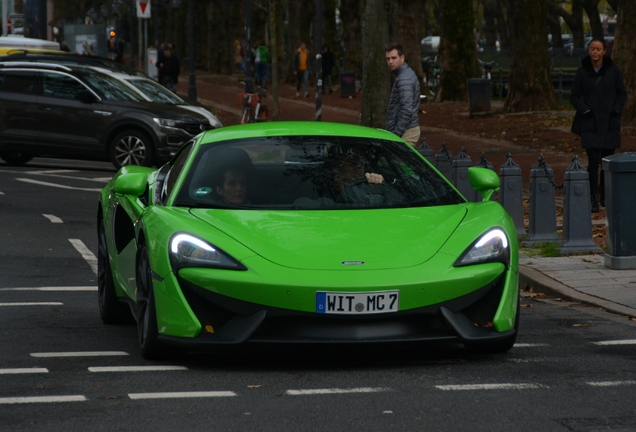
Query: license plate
x,y
357,303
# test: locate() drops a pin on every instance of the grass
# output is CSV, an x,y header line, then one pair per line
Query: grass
x,y
544,249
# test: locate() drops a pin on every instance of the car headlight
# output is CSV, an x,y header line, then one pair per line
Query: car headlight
x,y
189,251
493,246
167,123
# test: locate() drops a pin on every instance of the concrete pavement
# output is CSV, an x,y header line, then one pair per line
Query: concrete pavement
x,y
580,278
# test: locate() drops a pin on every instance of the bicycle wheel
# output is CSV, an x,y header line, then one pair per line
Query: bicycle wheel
x,y
245,117
262,114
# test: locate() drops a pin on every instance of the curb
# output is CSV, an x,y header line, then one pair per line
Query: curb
x,y
531,279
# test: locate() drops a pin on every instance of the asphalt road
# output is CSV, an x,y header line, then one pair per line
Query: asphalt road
x,y
573,368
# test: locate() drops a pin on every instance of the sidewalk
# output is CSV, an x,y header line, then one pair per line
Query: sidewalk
x,y
579,278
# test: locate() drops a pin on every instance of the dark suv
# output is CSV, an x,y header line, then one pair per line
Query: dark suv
x,y
78,112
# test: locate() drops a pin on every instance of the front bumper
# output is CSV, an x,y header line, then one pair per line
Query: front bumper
x,y
228,321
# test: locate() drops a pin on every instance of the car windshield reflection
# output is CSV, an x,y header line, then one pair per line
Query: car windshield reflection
x,y
321,173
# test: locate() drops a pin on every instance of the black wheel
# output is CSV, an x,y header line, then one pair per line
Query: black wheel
x,y
500,346
131,147
111,310
16,158
151,347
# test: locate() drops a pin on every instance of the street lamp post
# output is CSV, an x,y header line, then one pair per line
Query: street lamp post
x,y
192,88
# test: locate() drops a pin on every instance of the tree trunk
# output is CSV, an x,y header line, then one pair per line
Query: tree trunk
x,y
574,20
273,50
623,55
555,30
409,32
375,78
458,53
490,27
531,86
503,23
350,15
591,8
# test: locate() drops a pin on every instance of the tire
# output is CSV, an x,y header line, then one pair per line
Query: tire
x,y
131,147
111,310
148,335
16,159
500,346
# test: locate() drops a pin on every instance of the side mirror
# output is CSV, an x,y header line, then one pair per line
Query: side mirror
x,y
483,180
131,183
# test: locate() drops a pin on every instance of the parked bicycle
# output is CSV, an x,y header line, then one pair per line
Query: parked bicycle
x,y
253,108
486,68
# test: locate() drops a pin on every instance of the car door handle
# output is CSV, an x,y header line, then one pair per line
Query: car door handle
x,y
45,108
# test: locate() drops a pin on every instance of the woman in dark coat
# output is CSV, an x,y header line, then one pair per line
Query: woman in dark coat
x,y
598,94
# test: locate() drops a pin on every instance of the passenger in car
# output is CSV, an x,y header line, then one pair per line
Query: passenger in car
x,y
231,175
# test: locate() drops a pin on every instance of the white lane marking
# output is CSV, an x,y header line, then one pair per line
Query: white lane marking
x,y
32,304
42,399
337,391
86,253
56,173
611,383
530,345
181,395
41,183
530,360
68,288
503,386
52,218
47,172
80,354
23,371
617,342
135,368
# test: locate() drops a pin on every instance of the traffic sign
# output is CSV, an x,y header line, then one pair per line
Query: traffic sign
x,y
143,9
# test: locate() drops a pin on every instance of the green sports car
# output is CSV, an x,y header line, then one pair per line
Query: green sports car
x,y
304,232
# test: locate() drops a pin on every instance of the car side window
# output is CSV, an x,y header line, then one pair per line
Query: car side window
x,y
169,173
24,82
61,86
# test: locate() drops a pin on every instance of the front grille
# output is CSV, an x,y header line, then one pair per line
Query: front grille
x,y
194,128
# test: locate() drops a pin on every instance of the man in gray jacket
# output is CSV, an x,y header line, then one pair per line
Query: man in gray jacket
x,y
404,104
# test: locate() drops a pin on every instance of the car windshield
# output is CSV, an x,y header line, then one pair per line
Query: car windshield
x,y
110,88
312,172
156,92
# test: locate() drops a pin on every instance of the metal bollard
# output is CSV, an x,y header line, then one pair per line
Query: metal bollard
x,y
426,151
483,163
461,163
577,223
444,161
511,193
620,190
543,227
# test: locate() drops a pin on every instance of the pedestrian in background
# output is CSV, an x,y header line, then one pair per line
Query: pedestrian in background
x,y
327,67
170,69
239,55
404,104
302,69
598,94
261,65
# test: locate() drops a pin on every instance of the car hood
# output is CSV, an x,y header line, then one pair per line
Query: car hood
x,y
214,121
340,239
174,112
